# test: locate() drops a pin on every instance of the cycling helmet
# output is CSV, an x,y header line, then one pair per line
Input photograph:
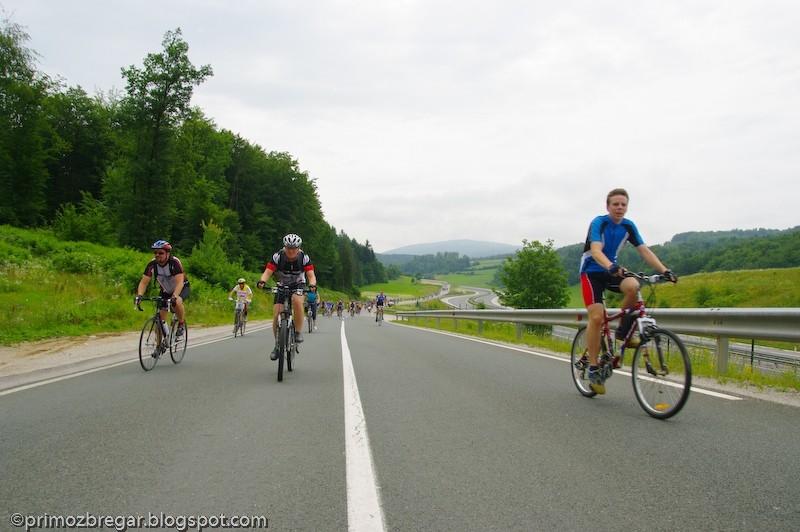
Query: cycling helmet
x,y
292,241
161,244
241,280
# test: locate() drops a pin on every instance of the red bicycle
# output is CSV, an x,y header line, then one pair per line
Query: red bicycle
x,y
660,370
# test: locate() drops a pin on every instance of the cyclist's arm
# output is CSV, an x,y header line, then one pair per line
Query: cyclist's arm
x,y
311,278
179,280
599,257
142,288
267,274
650,258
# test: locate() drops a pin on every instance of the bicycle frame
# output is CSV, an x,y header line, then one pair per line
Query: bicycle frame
x,y
660,369
288,346
155,340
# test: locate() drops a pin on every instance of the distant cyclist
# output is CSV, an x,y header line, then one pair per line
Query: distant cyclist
x,y
339,308
313,304
294,268
600,271
380,300
243,293
171,279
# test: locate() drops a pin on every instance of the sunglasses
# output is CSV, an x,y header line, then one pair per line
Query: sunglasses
x,y
159,253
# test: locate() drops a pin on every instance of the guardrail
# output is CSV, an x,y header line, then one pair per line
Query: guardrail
x,y
722,324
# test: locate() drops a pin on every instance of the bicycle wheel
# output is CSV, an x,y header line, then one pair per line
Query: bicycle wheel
x,y
150,344
579,364
662,374
177,344
310,321
291,351
283,343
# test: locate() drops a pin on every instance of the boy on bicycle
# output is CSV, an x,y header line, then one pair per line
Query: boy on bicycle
x,y
599,272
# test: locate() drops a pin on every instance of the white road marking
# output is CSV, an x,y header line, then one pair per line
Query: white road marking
x,y
695,389
364,511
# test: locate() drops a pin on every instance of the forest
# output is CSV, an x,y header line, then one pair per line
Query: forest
x,y
126,168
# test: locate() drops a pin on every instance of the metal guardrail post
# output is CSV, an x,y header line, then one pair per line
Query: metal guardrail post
x,y
480,326
519,331
723,345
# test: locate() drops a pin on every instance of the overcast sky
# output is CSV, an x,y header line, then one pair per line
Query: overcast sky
x,y
429,120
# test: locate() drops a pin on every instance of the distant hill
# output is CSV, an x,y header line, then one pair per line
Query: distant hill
x,y
474,249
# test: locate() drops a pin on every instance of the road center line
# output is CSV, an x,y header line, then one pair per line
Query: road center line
x,y
364,512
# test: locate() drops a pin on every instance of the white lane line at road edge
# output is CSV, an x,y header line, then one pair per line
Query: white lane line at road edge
x,y
364,511
95,370
695,389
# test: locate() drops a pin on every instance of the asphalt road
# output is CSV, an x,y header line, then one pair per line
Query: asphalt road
x,y
463,435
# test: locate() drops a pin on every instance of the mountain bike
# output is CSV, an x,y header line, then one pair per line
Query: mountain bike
x,y
157,336
239,317
287,345
661,371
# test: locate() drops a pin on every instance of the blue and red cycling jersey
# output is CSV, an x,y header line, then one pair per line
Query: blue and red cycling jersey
x,y
613,236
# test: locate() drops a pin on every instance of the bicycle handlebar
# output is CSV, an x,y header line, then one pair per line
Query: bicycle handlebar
x,y
648,279
138,300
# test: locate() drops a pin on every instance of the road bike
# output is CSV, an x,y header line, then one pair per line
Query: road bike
x,y
661,371
157,336
379,315
287,343
239,317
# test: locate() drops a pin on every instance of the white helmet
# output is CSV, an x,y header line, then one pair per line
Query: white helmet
x,y
292,241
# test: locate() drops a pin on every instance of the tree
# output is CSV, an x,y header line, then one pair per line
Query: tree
x,y
144,192
534,278
23,172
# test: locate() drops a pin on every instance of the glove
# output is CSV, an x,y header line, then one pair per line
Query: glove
x,y
261,284
670,276
312,287
230,299
614,269
137,300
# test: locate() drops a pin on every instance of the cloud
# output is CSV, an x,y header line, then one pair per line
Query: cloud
x,y
439,119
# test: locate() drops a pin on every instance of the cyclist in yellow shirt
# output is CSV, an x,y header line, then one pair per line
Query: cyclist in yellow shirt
x,y
243,293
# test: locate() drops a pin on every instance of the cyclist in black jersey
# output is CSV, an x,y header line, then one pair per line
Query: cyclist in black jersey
x,y
295,270
172,281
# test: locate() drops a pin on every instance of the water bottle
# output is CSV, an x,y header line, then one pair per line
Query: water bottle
x,y
165,327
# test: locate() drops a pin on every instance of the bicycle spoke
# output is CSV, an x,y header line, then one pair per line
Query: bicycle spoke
x,y
661,374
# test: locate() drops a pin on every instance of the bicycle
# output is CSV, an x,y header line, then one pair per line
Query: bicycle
x,y
661,371
379,315
157,337
310,318
239,317
287,345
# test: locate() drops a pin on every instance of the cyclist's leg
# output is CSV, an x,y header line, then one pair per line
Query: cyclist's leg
x,y
297,311
630,292
276,314
178,306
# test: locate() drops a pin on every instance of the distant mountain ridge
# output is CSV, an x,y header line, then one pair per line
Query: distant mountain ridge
x,y
474,249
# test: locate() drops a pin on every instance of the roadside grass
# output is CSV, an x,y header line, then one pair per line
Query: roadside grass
x,y
50,288
404,287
